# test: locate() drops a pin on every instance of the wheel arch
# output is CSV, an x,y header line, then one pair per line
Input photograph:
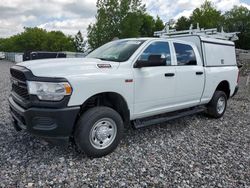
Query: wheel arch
x,y
110,99
225,87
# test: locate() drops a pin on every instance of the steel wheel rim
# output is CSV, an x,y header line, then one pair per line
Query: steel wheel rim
x,y
103,133
221,105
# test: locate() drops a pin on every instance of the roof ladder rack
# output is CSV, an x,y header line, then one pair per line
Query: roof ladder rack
x,y
210,33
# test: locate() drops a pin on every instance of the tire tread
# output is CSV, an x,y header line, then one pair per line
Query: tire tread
x,y
84,124
212,106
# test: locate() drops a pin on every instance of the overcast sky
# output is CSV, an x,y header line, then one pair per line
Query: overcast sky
x,y
70,16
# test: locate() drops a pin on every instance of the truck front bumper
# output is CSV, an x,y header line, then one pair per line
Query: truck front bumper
x,y
45,122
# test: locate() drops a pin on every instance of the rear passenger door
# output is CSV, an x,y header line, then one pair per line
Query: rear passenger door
x,y
189,75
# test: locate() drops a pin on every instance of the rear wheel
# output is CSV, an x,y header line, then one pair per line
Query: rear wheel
x,y
217,106
98,131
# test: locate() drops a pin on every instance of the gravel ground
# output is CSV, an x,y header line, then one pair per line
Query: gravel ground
x,y
190,152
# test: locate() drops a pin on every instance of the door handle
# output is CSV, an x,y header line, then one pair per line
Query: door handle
x,y
199,73
169,74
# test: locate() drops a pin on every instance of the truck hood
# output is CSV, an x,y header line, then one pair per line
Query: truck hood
x,y
68,67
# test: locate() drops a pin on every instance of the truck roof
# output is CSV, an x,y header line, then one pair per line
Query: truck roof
x,y
181,38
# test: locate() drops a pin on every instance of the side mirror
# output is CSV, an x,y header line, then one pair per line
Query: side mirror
x,y
139,64
153,61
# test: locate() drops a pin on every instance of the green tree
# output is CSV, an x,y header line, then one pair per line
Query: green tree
x,y
144,25
57,41
159,25
207,16
36,39
238,19
112,19
148,26
131,25
79,42
182,23
2,40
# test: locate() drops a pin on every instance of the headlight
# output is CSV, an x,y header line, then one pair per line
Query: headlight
x,y
49,91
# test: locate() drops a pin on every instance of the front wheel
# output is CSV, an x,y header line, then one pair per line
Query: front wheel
x,y
217,106
98,131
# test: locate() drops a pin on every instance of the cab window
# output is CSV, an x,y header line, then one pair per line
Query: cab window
x,y
160,49
185,54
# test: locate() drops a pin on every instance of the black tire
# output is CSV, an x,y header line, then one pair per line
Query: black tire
x,y
212,109
85,125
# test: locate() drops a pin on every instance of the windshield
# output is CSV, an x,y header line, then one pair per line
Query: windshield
x,y
120,50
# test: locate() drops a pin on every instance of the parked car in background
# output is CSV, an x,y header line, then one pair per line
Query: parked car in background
x,y
2,55
30,55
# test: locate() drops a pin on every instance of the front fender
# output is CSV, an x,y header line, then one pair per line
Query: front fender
x,y
86,87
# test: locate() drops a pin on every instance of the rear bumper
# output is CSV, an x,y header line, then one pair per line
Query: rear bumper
x,y
45,122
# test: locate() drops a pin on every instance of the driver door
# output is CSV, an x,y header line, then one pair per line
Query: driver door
x,y
154,85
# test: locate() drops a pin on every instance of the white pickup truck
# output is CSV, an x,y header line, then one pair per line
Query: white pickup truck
x,y
131,82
